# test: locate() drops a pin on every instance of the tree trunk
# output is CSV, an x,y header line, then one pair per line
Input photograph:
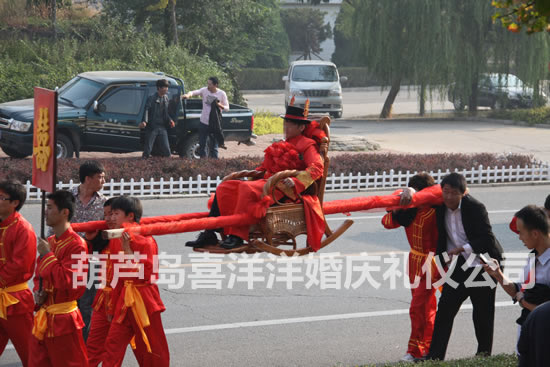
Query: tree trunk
x,y
388,104
472,105
174,22
422,99
53,9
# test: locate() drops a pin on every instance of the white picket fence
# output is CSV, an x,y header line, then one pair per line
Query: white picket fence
x,y
536,172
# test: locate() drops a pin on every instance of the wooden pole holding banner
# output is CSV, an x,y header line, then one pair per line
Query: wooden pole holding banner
x,y
44,162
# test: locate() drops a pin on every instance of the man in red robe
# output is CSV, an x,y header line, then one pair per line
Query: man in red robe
x,y
136,297
17,260
60,279
234,196
421,229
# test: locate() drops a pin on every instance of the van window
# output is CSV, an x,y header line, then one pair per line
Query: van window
x,y
314,73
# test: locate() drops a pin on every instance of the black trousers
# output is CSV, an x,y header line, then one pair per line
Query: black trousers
x,y
483,315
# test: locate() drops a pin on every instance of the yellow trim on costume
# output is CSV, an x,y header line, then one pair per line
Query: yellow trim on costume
x,y
305,178
49,260
133,300
40,323
7,300
59,246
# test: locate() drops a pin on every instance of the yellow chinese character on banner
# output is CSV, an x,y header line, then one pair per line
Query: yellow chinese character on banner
x,y
42,149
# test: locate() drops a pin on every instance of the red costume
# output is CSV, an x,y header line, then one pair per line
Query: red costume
x,y
299,153
137,308
422,236
57,336
17,260
104,311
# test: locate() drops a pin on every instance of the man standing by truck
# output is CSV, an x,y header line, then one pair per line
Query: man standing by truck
x,y
209,95
157,120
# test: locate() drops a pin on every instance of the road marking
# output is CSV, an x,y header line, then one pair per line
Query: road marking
x,y
298,320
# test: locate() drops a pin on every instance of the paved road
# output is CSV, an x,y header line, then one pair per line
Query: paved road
x,y
450,136
314,327
357,101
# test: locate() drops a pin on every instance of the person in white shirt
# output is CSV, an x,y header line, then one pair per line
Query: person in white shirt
x,y
208,94
464,233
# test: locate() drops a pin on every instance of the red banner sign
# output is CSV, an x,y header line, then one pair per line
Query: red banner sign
x,y
43,145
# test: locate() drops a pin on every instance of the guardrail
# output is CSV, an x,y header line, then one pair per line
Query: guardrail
x,y
536,172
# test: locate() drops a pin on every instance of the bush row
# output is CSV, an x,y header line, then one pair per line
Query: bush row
x,y
540,115
256,78
137,168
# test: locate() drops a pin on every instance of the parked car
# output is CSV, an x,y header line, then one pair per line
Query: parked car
x,y
317,81
100,112
498,91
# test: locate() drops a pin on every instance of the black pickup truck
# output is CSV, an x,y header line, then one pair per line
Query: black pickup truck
x,y
100,112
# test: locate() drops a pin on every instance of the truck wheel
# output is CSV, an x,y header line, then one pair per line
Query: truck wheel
x,y
64,147
14,153
190,148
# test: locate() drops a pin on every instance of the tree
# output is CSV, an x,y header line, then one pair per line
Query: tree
x,y
401,40
533,15
438,44
228,31
306,30
171,25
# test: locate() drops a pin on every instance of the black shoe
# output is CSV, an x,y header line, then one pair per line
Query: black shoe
x,y
223,146
204,239
232,242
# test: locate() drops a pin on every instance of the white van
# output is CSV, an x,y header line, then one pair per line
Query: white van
x,y
317,80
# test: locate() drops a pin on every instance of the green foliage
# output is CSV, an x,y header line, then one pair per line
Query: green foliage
x,y
533,16
256,78
532,116
232,33
111,45
266,123
306,30
345,46
437,43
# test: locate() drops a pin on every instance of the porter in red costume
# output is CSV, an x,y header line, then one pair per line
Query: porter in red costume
x,y
297,152
421,229
17,260
57,331
136,299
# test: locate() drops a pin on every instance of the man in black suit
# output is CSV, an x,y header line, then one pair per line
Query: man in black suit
x,y
464,233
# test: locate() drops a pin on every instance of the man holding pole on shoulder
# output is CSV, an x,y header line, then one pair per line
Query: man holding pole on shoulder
x,y
60,279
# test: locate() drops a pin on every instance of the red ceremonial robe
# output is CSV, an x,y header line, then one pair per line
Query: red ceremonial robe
x,y
17,260
236,197
137,306
57,335
103,312
422,236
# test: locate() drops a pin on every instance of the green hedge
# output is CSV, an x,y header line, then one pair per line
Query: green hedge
x,y
532,116
256,78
